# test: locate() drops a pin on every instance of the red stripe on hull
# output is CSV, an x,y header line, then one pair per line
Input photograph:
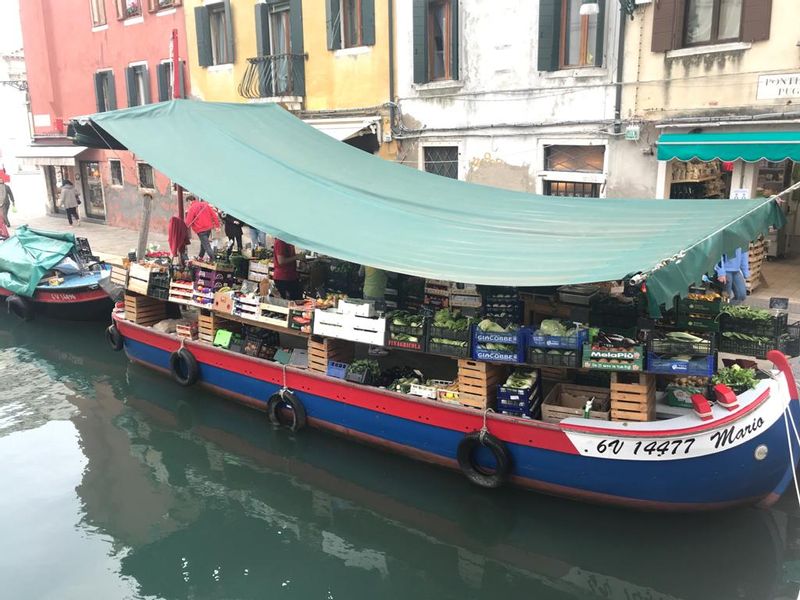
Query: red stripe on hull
x,y
76,297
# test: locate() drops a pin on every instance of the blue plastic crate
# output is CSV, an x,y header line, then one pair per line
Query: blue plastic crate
x,y
337,369
517,338
559,342
702,366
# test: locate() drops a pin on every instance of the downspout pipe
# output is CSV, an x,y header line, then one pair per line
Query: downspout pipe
x,y
620,65
391,63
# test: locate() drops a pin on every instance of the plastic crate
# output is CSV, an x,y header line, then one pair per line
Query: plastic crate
x,y
746,348
666,346
429,391
789,344
630,359
418,332
697,324
364,377
518,338
337,369
702,366
565,342
447,349
774,327
552,358
689,306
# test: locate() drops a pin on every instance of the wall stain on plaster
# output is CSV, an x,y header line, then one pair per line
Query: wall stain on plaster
x,y
498,173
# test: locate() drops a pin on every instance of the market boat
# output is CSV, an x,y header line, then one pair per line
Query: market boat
x,y
741,455
34,280
340,202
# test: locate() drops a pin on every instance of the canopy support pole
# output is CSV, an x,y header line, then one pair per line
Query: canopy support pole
x,y
176,93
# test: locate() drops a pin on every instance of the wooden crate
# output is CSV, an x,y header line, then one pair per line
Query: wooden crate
x,y
207,325
566,401
144,310
323,350
119,275
633,397
554,373
478,381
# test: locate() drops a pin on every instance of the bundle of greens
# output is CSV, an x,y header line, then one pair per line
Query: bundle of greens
x,y
521,379
757,339
451,319
366,365
736,378
403,384
490,326
404,318
746,312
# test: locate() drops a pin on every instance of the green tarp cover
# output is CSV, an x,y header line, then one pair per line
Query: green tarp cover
x,y
750,146
267,167
28,255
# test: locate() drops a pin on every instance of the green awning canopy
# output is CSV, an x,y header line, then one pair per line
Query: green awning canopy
x,y
270,169
749,146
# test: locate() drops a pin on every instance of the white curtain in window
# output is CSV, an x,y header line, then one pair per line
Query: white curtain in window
x,y
699,20
730,19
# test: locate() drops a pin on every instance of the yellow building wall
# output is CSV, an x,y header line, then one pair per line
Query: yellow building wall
x,y
349,78
221,83
671,85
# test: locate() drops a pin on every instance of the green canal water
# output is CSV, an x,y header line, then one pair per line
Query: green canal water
x,y
116,483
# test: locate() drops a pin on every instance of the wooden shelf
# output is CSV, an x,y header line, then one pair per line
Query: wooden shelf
x,y
701,180
261,324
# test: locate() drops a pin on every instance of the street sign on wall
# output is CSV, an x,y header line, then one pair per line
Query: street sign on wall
x,y
779,85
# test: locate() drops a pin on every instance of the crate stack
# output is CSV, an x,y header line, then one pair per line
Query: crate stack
x,y
437,294
119,275
186,329
750,337
466,297
503,306
478,383
633,397
757,254
258,270
159,285
698,314
322,351
208,323
144,310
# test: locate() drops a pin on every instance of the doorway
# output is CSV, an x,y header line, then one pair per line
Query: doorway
x,y
54,176
94,203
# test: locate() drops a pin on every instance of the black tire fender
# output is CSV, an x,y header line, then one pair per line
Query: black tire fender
x,y
114,337
287,398
19,307
476,474
183,367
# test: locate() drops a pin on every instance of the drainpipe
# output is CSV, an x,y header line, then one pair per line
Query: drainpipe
x,y
176,93
391,64
620,64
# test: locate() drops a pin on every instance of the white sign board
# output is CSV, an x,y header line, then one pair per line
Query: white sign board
x,y
781,85
41,120
740,194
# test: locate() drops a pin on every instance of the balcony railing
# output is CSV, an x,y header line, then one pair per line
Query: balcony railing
x,y
274,76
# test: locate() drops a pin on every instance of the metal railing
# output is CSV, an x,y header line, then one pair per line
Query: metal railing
x,y
274,75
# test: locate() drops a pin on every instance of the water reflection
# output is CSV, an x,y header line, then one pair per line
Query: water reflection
x,y
193,497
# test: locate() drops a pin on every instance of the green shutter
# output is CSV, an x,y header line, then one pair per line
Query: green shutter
x,y
297,62
162,80
454,36
112,91
549,30
148,98
262,30
420,25
130,84
368,22
203,28
98,92
231,42
333,19
601,34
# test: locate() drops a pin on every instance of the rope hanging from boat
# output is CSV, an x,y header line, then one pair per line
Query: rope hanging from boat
x,y
485,429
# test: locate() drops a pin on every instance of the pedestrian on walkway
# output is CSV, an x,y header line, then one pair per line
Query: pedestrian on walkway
x,y
202,219
284,272
258,238
6,201
233,231
732,272
70,200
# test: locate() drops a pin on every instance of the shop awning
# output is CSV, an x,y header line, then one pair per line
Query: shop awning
x,y
35,156
264,165
750,146
344,128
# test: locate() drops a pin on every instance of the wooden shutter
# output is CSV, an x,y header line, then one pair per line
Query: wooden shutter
x,y
148,98
111,101
601,34
152,5
454,35
668,25
98,92
420,25
297,63
333,16
162,81
203,29
130,84
231,42
262,30
756,17
549,33
181,79
368,22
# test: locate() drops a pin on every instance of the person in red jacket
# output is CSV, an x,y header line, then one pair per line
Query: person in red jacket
x,y
202,218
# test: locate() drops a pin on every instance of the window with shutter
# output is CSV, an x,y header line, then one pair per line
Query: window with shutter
x,y
137,79
105,95
98,10
580,37
203,30
215,41
436,37
350,23
712,22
